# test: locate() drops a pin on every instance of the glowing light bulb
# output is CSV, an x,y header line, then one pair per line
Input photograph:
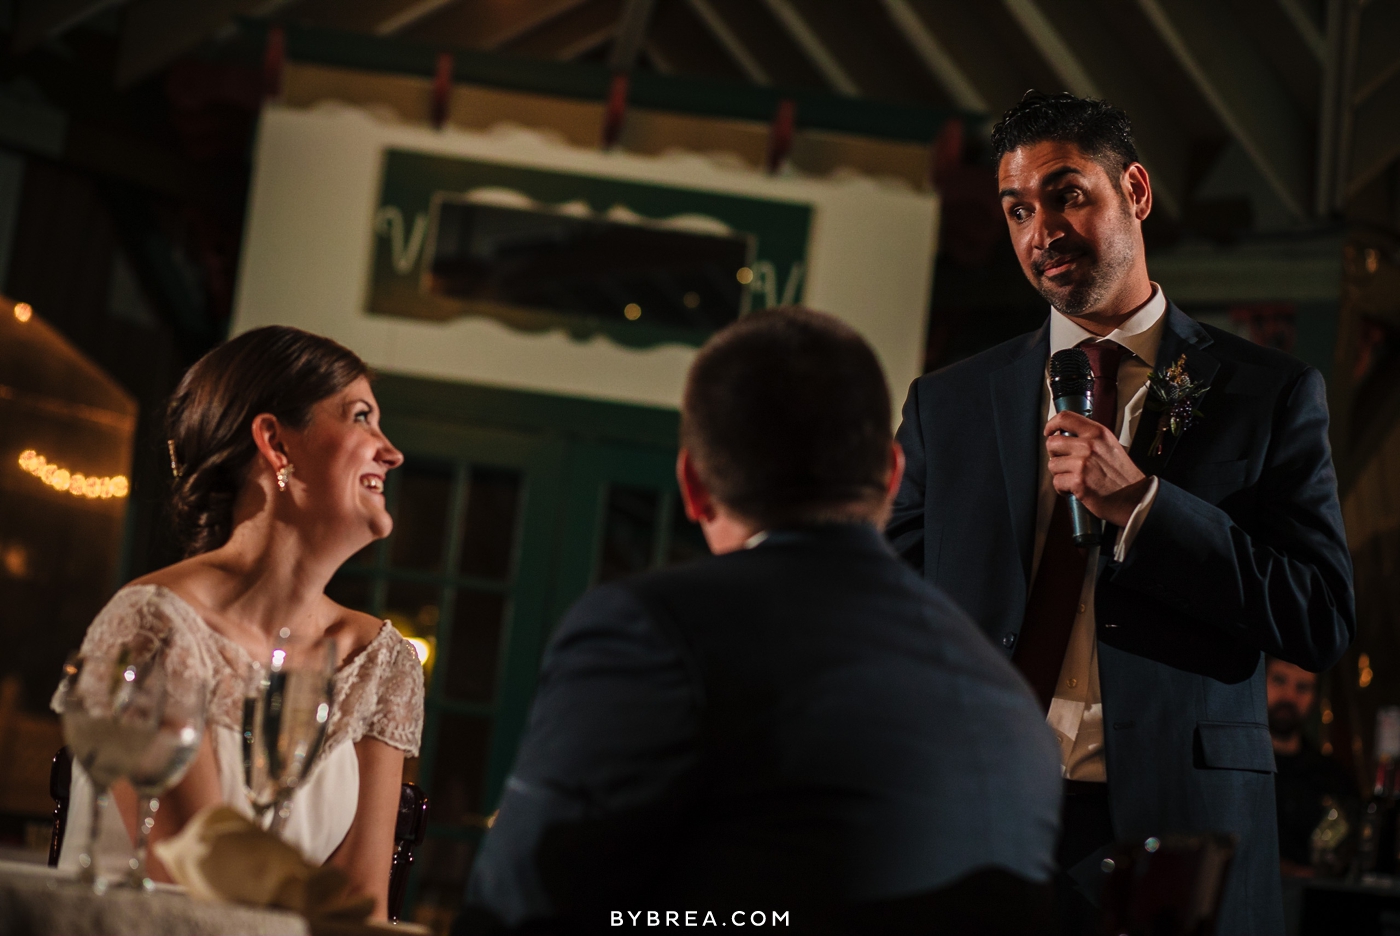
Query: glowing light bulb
x,y
74,482
24,311
420,647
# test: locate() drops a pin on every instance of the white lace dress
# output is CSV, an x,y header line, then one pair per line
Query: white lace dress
x,y
377,694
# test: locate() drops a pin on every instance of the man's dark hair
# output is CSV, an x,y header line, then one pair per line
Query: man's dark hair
x,y
787,417
1102,131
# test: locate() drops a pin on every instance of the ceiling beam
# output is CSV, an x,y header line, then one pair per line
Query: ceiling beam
x,y
947,72
1303,24
1377,39
1221,61
409,15
157,32
812,46
486,25
38,20
631,33
730,42
1053,48
1091,68
1375,135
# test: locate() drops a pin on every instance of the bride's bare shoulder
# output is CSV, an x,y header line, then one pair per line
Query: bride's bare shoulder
x,y
357,627
189,578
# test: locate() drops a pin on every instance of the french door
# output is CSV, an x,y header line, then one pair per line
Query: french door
x,y
507,508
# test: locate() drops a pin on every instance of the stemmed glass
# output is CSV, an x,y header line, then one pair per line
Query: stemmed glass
x,y
166,759
284,724
111,705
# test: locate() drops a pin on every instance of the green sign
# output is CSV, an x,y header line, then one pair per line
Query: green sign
x,y
541,250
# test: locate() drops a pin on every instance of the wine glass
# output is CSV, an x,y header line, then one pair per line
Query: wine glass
x,y
111,705
166,759
284,724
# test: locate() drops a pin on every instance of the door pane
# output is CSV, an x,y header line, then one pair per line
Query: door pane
x,y
629,531
488,541
414,608
476,639
424,503
459,772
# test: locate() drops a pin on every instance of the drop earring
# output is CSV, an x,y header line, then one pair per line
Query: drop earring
x,y
282,474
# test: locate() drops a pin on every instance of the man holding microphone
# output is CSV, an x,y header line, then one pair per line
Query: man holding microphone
x,y
1205,463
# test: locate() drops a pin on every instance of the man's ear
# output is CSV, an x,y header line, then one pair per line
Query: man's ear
x,y
267,436
896,475
699,504
1137,186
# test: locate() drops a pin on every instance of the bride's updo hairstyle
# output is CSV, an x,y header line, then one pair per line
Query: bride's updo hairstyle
x,y
279,370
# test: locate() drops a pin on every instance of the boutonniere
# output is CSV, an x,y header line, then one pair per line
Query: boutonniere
x,y
1176,398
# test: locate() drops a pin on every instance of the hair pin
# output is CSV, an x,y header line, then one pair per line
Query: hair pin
x,y
174,463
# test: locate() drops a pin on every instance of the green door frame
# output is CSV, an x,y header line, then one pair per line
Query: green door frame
x,y
570,449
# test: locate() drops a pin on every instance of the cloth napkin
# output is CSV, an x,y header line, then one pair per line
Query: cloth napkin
x,y
222,855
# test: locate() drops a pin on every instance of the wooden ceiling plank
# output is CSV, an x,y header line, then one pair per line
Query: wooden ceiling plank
x,y
575,33
38,20
688,47
631,33
1376,58
406,17
1241,89
1302,23
1375,135
812,46
730,41
488,25
157,32
936,58
1089,68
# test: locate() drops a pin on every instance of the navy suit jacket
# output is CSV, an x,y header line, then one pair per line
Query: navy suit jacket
x,y
1243,552
803,726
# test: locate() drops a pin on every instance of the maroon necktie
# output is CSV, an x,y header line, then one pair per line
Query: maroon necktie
x,y
1059,581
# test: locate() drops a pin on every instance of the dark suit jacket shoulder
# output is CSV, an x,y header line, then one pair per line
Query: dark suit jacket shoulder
x,y
805,724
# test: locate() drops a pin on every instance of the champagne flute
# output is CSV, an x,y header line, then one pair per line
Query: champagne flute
x,y
166,759
284,725
111,706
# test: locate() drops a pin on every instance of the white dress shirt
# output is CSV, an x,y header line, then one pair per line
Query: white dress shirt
x,y
1076,710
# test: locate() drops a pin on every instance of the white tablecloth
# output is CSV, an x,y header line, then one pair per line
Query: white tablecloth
x,y
39,901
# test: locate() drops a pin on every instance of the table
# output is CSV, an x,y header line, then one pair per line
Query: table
x,y
41,901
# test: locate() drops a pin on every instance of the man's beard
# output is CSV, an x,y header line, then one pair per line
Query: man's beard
x,y
1096,283
1284,719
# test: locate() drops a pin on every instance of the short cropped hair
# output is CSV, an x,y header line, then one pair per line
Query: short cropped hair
x,y
786,416
1102,131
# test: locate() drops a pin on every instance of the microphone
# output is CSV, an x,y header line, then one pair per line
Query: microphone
x,y
1071,383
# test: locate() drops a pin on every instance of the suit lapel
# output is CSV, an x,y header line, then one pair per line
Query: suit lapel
x,y
1182,335
1017,410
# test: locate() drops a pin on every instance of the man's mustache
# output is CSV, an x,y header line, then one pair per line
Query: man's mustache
x,y
1050,256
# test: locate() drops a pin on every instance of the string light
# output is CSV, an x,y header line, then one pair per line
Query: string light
x,y
1364,674
75,483
24,311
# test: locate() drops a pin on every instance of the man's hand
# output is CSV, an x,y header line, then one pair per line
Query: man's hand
x,y
1092,465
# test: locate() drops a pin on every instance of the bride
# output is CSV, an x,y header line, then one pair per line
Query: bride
x,y
279,467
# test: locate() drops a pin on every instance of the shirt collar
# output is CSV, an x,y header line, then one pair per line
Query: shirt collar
x,y
1140,334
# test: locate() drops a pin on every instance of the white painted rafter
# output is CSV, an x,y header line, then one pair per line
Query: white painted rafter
x,y
732,44
812,46
936,58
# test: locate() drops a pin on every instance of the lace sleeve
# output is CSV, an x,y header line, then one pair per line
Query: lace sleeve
x,y
145,616
397,715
